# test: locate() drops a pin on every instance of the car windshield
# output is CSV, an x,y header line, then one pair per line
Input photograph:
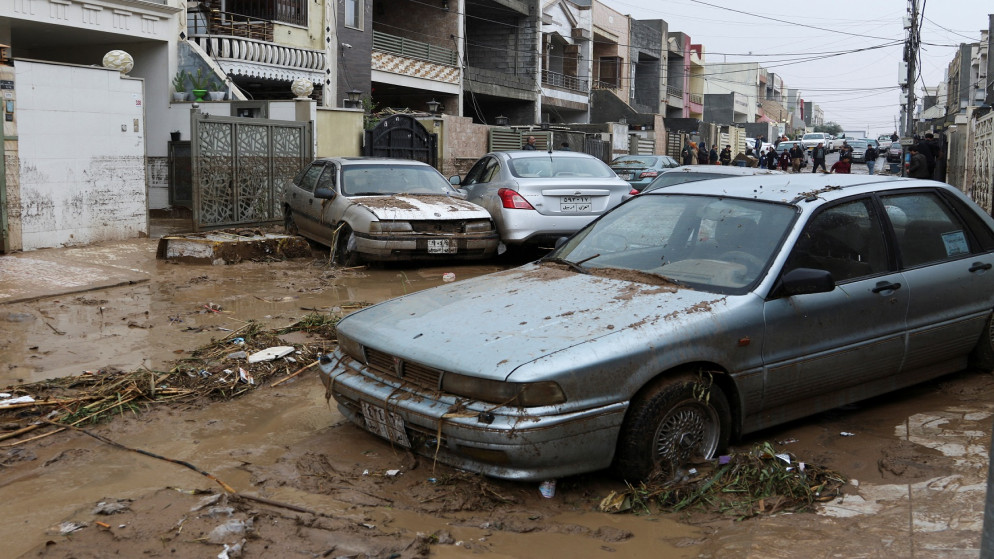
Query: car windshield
x,y
814,137
546,166
379,180
680,177
709,243
858,145
633,161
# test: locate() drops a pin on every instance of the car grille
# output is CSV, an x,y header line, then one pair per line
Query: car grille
x,y
445,226
409,371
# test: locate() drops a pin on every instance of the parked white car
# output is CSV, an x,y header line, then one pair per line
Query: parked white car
x,y
812,139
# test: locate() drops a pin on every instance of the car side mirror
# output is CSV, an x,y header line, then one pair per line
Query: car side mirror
x,y
454,180
324,192
803,281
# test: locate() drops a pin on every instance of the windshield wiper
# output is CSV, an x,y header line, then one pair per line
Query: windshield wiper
x,y
575,266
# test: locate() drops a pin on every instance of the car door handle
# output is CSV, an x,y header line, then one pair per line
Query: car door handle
x,y
886,286
978,266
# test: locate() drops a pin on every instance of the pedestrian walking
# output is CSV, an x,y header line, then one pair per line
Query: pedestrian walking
x,y
931,150
796,158
784,159
713,157
818,157
918,166
871,158
726,156
693,154
688,153
842,166
772,160
530,144
702,154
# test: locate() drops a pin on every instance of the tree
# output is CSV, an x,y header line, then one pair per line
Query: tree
x,y
832,128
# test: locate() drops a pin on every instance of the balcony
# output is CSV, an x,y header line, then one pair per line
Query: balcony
x,y
697,98
418,50
210,22
572,83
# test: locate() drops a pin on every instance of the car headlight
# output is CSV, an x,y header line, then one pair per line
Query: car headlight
x,y
389,227
352,348
517,394
481,226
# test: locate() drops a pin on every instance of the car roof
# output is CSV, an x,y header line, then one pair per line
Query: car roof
x,y
794,187
525,153
371,161
722,170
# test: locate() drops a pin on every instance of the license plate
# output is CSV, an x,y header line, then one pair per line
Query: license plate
x,y
441,246
386,424
574,204
626,176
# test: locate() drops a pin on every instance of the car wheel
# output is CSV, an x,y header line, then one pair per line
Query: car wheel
x,y
345,253
288,223
671,423
983,355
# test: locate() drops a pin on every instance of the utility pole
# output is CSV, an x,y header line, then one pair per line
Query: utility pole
x,y
911,45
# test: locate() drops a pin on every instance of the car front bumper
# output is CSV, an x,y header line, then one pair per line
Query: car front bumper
x,y
406,246
497,441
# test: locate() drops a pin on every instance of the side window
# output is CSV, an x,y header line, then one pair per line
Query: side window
x,y
926,229
311,176
490,173
846,239
476,173
328,177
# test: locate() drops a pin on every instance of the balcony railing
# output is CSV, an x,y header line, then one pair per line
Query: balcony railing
x,y
674,92
402,46
598,84
250,50
293,12
562,80
697,98
206,21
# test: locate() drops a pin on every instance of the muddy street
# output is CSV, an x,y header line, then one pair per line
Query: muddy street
x,y
310,484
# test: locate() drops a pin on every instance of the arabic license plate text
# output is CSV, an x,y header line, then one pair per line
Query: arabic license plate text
x,y
626,176
386,424
574,204
441,246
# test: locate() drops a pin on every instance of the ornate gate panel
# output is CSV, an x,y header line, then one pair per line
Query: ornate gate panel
x,y
240,166
403,137
981,186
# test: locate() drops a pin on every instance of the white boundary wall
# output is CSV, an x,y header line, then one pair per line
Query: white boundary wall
x,y
81,136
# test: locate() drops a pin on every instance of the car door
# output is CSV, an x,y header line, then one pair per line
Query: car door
x,y
300,197
822,350
481,185
947,266
329,210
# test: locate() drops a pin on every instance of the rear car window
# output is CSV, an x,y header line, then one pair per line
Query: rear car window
x,y
548,166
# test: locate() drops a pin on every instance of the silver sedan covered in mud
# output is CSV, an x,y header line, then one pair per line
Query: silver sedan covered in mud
x,y
385,209
677,322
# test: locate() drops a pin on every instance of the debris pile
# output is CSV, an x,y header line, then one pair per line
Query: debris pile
x,y
223,369
747,484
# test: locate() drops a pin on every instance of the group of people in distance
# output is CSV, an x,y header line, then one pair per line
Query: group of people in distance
x,y
693,154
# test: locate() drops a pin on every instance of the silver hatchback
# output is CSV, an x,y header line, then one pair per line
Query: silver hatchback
x,y
537,196
682,319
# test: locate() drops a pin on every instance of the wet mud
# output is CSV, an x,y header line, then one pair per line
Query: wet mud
x,y
309,483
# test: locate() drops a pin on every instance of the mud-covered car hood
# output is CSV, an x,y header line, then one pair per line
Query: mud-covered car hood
x,y
490,325
420,207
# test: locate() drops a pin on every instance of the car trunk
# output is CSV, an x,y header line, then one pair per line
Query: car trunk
x,y
572,196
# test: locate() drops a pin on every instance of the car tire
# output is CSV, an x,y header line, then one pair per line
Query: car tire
x,y
288,223
654,435
345,254
982,356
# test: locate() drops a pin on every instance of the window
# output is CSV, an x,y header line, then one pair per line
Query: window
x,y
311,177
353,13
846,239
927,231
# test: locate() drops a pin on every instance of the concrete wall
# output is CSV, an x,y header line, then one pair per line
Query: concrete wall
x,y
338,132
461,143
81,135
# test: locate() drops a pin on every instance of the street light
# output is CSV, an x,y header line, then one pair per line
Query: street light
x,y
433,106
500,120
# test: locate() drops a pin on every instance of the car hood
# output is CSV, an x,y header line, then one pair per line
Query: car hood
x,y
490,325
420,207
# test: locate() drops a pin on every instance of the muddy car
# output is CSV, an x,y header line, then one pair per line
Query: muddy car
x,y
385,210
536,197
679,321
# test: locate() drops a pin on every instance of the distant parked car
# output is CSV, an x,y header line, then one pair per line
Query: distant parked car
x,y
640,170
789,144
676,323
537,197
812,139
385,209
858,150
895,153
885,142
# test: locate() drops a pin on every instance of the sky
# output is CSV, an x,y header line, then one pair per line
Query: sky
x,y
842,54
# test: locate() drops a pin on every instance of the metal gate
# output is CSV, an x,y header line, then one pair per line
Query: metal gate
x,y
240,166
981,185
402,137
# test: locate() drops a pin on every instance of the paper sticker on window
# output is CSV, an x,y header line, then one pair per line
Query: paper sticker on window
x,y
955,242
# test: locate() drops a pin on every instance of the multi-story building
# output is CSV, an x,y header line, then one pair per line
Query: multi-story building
x,y
567,61
813,115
